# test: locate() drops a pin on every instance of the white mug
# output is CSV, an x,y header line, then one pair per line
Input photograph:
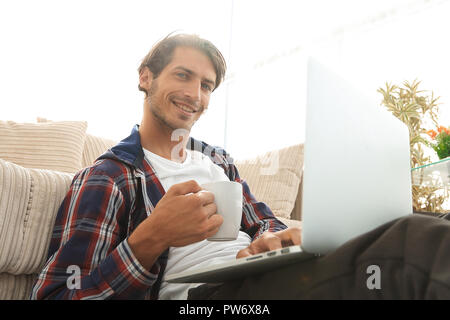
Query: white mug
x,y
228,199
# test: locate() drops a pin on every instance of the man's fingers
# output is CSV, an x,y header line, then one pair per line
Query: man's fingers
x,y
192,190
211,209
267,242
215,221
243,253
290,236
272,241
183,188
206,197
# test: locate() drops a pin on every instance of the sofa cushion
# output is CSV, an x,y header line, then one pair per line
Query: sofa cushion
x,y
50,145
93,148
29,201
297,211
14,287
274,178
291,222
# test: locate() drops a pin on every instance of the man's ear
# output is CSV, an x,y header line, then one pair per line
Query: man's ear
x,y
145,79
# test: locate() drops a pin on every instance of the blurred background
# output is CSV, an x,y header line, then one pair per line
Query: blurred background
x,y
78,60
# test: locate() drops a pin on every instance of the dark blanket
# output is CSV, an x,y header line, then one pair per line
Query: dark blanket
x,y
408,258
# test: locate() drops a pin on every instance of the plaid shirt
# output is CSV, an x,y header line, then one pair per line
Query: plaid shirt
x,y
103,206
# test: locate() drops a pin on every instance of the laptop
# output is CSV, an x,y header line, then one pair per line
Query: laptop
x,y
357,176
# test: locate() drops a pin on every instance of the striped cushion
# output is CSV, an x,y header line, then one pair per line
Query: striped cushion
x,y
274,178
50,145
93,148
14,287
29,201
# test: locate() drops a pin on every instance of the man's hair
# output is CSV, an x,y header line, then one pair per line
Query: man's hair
x,y
161,55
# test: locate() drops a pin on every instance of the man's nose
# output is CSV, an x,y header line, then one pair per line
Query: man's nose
x,y
193,90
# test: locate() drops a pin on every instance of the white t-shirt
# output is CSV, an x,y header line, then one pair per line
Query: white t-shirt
x,y
200,168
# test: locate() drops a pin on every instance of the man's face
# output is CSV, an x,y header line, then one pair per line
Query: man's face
x,y
181,92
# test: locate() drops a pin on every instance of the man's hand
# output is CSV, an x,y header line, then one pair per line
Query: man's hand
x,y
184,215
272,241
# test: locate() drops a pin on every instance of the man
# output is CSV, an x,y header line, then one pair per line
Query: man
x,y
139,213
140,207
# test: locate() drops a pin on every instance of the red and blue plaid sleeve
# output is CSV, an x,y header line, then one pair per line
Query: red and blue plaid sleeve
x,y
90,236
257,217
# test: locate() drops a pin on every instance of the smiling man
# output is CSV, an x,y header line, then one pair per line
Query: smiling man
x,y
176,98
138,212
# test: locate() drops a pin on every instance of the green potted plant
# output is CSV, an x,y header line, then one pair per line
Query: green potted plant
x,y
440,141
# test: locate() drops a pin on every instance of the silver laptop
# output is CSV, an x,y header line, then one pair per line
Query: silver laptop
x,y
356,177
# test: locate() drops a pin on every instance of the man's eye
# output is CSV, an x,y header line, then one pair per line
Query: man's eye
x,y
181,75
206,87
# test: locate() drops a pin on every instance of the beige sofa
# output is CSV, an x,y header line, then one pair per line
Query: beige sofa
x,y
37,164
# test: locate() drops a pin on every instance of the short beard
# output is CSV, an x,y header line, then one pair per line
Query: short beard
x,y
155,108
